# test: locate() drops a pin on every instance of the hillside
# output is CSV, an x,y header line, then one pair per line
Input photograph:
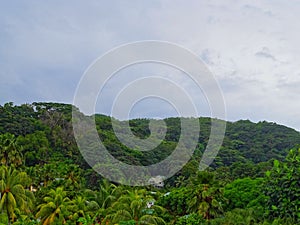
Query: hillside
x,y
45,180
45,131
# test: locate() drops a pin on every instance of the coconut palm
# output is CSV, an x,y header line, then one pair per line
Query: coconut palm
x,y
10,152
206,196
48,173
81,207
73,178
107,194
55,208
134,207
14,197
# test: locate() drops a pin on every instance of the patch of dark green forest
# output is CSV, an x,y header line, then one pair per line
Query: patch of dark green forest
x,y
253,180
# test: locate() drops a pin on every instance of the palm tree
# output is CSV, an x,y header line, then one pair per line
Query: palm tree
x,y
55,207
133,207
87,220
14,197
73,179
107,194
206,196
80,207
10,153
48,173
33,173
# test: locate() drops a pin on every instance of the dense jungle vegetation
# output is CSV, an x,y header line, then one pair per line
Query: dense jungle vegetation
x,y
255,179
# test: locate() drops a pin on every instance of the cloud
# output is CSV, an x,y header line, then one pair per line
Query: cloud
x,y
250,46
265,52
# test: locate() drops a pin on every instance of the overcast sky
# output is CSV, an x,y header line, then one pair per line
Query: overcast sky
x,y
252,48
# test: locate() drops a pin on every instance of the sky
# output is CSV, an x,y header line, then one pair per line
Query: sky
x,y
251,47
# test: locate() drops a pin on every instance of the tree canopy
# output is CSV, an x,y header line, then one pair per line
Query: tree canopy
x,y
255,178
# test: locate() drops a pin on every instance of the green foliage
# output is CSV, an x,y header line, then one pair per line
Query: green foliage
x,y
176,201
55,207
245,193
262,141
10,152
238,217
283,187
36,141
45,132
190,219
206,195
133,206
35,147
18,120
15,198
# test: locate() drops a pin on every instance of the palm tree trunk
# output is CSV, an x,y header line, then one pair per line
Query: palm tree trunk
x,y
8,217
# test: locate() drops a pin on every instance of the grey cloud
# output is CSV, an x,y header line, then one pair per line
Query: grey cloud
x,y
265,53
209,56
253,8
292,87
45,47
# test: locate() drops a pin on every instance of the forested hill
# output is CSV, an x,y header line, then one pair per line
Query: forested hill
x,y
45,180
44,130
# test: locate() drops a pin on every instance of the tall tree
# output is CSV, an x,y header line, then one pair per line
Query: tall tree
x,y
282,188
244,193
134,207
82,208
55,208
10,152
105,196
206,195
14,196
